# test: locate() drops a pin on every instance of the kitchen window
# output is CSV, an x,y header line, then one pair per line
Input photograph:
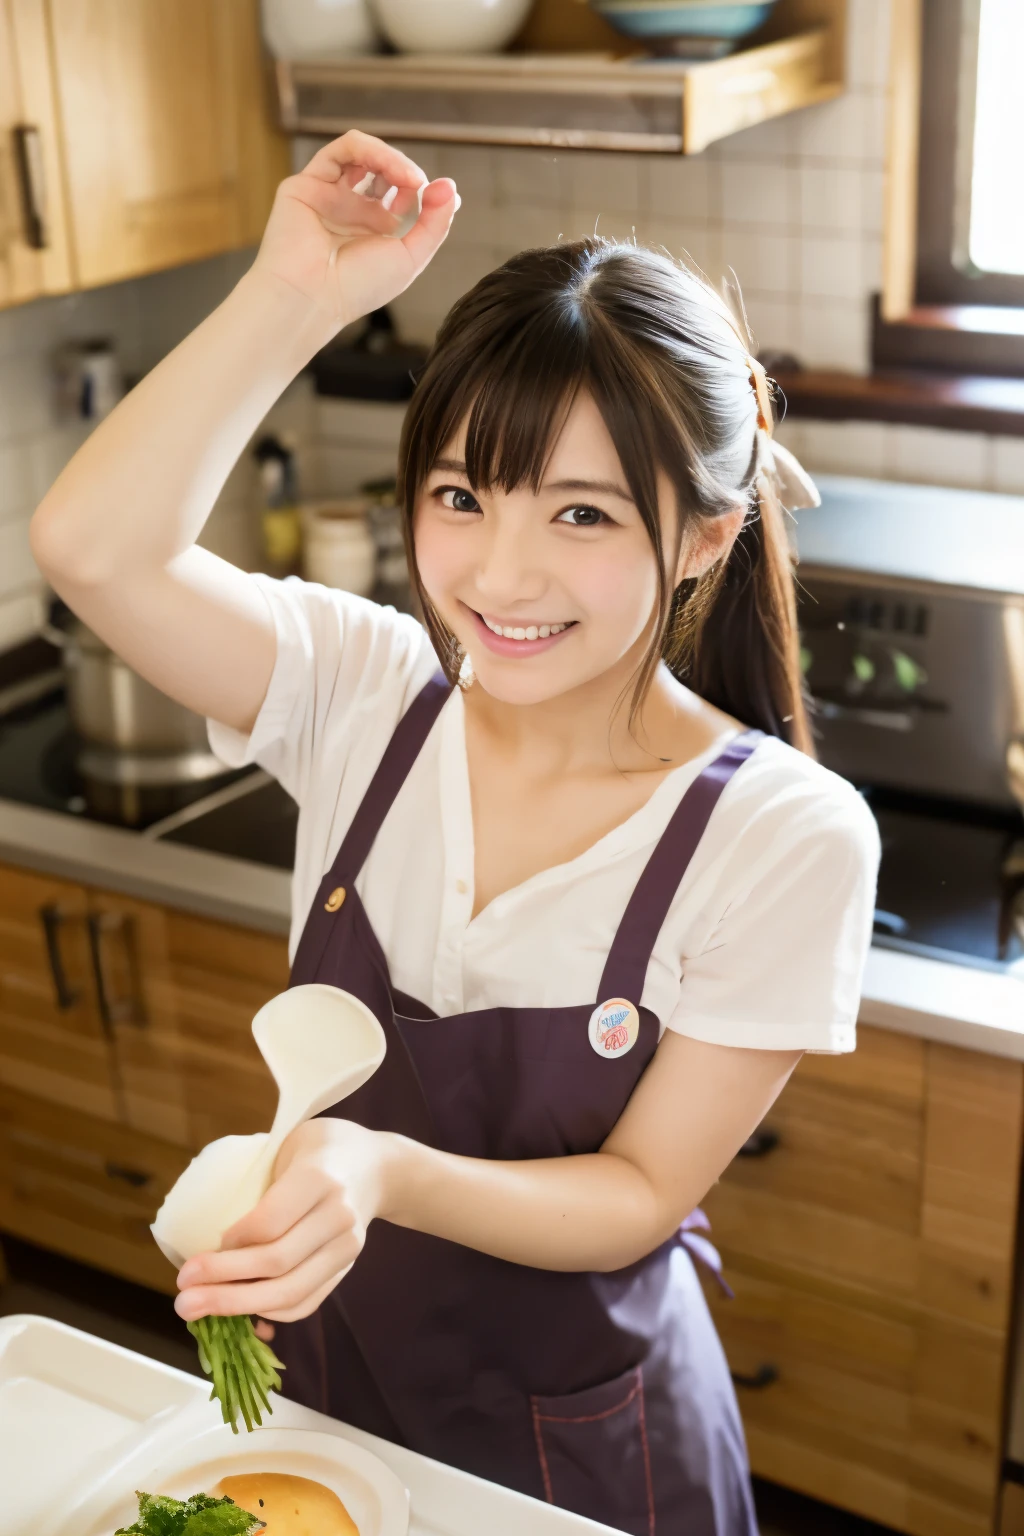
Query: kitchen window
x,y
964,309
971,229
990,209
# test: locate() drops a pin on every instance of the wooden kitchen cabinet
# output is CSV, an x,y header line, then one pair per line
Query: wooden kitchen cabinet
x,y
132,1012
84,1186
188,1065
150,136
53,1043
169,153
871,1250
125,1046
34,252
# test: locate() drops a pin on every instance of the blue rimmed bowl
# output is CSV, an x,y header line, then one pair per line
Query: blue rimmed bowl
x,y
680,21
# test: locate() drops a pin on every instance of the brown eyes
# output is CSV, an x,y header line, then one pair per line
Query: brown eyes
x,y
583,517
457,499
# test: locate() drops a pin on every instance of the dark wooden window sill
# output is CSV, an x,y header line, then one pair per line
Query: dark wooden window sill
x,y
955,402
979,340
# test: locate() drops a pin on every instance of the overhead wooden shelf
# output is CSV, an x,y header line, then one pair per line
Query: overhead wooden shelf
x,y
570,100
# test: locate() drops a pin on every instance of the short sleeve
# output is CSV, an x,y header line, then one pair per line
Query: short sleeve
x,y
783,964
337,656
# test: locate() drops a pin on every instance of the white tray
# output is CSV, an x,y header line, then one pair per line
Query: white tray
x,y
73,1408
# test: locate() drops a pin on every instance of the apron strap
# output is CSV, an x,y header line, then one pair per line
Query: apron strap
x,y
626,968
401,752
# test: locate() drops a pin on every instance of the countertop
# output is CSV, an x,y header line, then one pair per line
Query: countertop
x,y
961,1005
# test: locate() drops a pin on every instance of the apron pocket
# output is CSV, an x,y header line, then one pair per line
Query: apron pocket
x,y
594,1455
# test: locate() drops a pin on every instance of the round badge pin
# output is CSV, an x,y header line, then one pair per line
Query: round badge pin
x,y
614,1027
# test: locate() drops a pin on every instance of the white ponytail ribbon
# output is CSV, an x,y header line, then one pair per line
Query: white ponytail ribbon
x,y
796,488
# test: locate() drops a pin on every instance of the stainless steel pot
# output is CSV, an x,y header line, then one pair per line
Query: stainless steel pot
x,y
115,710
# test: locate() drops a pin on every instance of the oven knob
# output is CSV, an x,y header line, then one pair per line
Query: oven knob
x,y
909,674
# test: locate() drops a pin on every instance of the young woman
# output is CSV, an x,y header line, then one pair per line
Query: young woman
x,y
599,910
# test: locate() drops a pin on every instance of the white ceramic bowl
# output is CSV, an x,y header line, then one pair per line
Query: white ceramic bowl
x,y
451,26
375,1498
305,31
338,547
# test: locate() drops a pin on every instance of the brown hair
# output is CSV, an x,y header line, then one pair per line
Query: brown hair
x,y
664,360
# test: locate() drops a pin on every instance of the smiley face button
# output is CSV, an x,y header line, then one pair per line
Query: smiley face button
x,y
614,1028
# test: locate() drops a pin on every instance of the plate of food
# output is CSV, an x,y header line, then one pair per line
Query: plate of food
x,y
276,1482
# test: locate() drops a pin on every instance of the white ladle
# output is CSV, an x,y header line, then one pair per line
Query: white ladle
x,y
321,1044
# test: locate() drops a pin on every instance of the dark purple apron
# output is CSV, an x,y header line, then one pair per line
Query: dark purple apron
x,y
607,1394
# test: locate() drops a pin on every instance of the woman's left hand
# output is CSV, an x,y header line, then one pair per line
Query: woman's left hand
x,y
290,1251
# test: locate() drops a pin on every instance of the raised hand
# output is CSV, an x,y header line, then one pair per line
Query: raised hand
x,y
333,230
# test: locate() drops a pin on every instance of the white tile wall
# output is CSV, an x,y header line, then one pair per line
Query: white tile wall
x,y
921,454
1008,464
794,207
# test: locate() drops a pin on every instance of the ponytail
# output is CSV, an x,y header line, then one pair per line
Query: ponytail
x,y
733,636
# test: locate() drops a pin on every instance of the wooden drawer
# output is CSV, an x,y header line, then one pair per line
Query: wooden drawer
x,y
896,1419
85,1187
850,1134
896,1170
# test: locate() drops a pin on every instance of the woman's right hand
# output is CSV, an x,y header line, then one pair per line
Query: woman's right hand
x,y
332,230
282,1259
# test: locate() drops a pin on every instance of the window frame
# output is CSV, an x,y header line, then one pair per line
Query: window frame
x,y
947,75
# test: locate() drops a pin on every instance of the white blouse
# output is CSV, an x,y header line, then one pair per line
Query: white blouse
x,y
764,944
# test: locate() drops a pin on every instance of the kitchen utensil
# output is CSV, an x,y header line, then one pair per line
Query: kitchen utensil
x,y
712,27
451,26
89,379
388,526
114,709
338,547
320,1044
376,365
310,31
282,526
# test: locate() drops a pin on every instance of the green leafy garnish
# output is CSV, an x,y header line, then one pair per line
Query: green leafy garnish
x,y
243,1369
201,1515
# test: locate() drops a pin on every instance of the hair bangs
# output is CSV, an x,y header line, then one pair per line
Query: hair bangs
x,y
514,396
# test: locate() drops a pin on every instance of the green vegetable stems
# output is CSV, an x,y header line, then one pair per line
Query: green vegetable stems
x,y
242,1368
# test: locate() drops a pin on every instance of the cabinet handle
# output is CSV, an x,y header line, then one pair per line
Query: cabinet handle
x,y
51,918
28,156
760,1143
133,1176
115,1010
765,1376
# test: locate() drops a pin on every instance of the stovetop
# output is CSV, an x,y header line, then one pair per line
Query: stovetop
x,y
951,884
38,767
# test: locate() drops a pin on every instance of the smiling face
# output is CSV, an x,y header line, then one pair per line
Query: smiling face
x,y
546,590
